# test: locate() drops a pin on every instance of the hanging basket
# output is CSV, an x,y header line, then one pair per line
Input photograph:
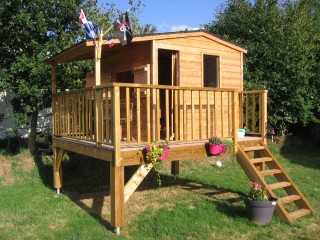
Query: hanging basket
x,y
164,154
260,212
216,149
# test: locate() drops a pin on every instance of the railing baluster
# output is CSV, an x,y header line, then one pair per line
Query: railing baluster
x,y
167,120
138,113
185,122
200,115
148,116
208,114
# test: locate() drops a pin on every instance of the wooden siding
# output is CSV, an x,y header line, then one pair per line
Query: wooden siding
x,y
126,58
191,51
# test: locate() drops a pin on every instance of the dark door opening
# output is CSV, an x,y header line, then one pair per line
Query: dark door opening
x,y
167,75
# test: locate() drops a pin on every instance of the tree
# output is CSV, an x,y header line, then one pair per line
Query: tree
x,y
282,38
32,31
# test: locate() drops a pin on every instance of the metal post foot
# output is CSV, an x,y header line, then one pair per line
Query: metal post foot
x,y
117,230
58,191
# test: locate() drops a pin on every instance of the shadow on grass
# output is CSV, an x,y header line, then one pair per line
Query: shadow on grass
x,y
302,151
44,169
87,185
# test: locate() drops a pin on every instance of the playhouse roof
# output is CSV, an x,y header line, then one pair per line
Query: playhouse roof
x,y
84,49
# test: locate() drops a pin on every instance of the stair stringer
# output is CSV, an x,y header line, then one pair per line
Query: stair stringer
x,y
303,203
253,174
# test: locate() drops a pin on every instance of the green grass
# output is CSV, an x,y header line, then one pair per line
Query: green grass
x,y
204,202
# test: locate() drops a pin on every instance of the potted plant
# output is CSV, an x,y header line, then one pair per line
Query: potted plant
x,y
156,152
259,206
216,146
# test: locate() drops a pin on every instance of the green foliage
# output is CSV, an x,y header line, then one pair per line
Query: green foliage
x,y
282,38
31,32
215,140
154,154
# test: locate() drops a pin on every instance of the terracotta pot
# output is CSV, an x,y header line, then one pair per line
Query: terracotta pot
x,y
216,149
260,212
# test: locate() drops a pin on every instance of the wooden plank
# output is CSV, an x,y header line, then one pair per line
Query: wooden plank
x,y
200,114
57,169
138,113
235,119
128,115
167,114
107,117
148,117
117,194
215,113
176,114
222,109
136,179
158,116
230,114
175,167
264,120
208,114
298,213
192,116
185,123
253,112
116,134
84,147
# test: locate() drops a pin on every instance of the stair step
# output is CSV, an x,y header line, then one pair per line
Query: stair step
x,y
253,148
270,172
288,199
260,160
299,213
278,185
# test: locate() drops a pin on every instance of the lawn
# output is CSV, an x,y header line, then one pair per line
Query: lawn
x,y
203,202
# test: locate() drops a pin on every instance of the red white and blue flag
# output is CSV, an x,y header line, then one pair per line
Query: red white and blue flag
x,y
92,30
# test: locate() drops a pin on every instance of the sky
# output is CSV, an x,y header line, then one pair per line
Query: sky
x,y
173,15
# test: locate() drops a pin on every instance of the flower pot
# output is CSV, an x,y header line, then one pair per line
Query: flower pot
x,y
164,156
260,212
216,149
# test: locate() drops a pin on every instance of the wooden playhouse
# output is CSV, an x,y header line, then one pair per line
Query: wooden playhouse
x,y
182,86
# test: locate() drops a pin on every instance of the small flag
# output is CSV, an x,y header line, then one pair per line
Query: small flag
x,y
122,29
92,30
110,42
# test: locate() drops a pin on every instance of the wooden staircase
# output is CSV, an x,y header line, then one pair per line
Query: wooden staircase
x,y
261,166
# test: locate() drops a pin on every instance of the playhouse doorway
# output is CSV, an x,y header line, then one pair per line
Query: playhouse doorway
x,y
167,75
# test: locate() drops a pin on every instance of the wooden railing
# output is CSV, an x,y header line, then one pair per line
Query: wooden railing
x,y
136,113
253,111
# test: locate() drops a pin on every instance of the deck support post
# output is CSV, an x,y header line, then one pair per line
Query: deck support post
x,y
116,168
175,168
117,196
57,168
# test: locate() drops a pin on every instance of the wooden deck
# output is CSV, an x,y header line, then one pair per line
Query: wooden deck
x,y
93,122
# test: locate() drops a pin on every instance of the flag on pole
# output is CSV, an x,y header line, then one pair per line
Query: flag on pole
x,y
92,30
110,42
122,29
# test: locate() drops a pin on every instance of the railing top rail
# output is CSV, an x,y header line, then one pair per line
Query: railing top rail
x,y
253,91
75,91
166,87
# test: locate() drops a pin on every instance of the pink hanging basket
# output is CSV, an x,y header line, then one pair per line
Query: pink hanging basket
x,y
216,149
164,154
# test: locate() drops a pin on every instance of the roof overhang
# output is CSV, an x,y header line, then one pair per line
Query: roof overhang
x,y
85,49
